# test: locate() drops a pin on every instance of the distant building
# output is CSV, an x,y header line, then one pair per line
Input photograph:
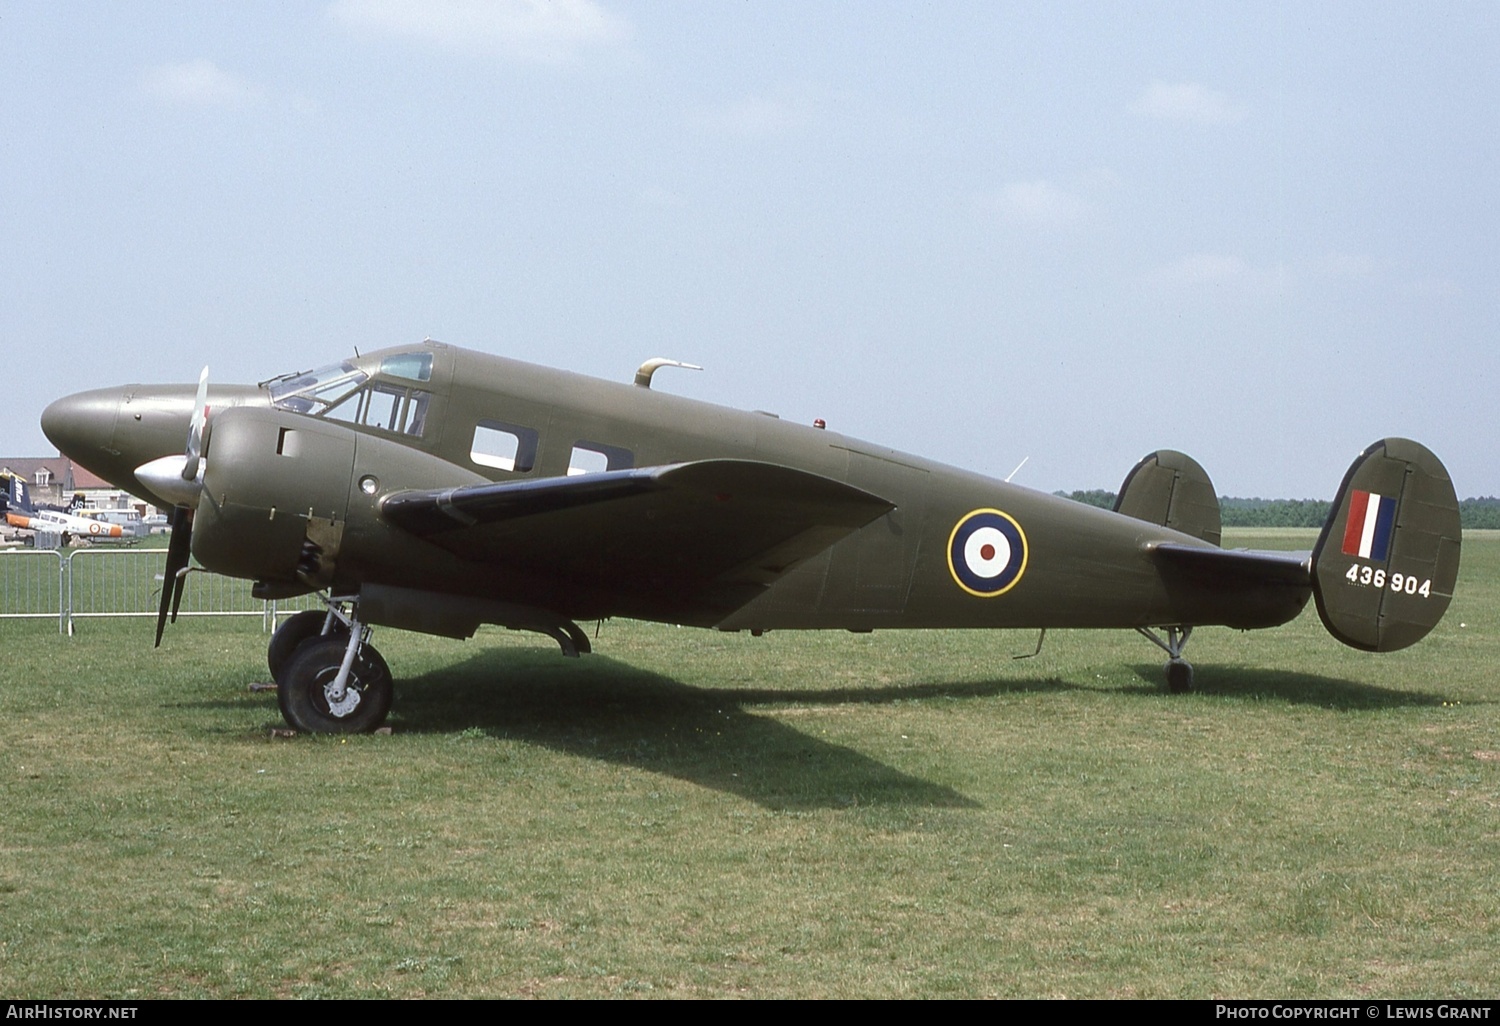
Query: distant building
x,y
54,480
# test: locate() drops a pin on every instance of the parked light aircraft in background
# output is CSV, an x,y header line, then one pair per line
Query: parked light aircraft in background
x,y
20,512
434,489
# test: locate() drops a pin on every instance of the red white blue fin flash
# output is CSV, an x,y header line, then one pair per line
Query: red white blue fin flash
x,y
1371,520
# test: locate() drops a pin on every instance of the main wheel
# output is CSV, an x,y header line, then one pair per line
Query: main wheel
x,y
294,630
1179,676
304,690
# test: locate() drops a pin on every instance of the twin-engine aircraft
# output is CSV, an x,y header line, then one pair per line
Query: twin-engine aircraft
x,y
435,489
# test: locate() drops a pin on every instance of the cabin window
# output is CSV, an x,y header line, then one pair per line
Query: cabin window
x,y
504,446
595,458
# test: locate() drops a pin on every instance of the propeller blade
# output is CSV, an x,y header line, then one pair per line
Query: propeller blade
x,y
194,450
179,579
179,551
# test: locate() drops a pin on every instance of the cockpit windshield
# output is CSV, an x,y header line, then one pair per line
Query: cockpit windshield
x,y
345,393
317,391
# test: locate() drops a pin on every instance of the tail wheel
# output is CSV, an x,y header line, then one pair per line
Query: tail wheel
x,y
1179,676
308,698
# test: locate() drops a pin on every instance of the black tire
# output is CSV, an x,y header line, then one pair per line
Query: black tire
x,y
1179,676
313,667
294,630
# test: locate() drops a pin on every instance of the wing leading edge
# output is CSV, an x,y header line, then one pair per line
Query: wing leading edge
x,y
689,542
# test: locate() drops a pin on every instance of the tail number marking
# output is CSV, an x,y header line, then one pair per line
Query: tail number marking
x,y
1401,584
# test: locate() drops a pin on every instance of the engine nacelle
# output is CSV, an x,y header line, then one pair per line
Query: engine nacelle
x,y
275,496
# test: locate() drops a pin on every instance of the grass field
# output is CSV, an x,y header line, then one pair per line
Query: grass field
x,y
823,815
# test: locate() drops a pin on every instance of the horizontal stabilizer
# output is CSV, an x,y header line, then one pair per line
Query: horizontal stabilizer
x,y
1262,567
1169,488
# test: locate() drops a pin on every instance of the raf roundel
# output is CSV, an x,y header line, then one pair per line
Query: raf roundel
x,y
987,552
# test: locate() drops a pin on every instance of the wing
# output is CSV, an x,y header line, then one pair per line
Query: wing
x,y
686,543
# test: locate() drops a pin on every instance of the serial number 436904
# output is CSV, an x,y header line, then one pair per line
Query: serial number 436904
x,y
1401,584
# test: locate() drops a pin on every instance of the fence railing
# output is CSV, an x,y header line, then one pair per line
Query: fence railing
x,y
39,584
34,586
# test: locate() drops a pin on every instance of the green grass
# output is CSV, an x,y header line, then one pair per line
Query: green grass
x,y
694,814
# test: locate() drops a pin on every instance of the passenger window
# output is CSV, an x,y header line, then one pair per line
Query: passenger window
x,y
504,446
587,461
595,458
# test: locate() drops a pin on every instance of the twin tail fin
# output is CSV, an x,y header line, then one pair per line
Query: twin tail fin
x,y
1386,560
1385,564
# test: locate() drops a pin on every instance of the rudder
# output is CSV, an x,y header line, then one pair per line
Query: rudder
x,y
1386,561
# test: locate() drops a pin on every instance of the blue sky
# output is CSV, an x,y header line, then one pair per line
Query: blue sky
x,y
1264,233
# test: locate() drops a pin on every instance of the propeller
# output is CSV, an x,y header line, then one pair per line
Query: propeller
x,y
179,478
195,429
179,551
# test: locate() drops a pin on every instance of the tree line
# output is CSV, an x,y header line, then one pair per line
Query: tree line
x,y
1483,512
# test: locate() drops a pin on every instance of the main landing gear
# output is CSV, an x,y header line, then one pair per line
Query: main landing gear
x,y
329,678
1179,670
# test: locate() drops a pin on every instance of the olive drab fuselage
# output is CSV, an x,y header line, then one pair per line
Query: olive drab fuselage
x,y
294,491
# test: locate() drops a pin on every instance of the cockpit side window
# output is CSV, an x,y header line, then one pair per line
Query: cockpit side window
x,y
411,366
388,407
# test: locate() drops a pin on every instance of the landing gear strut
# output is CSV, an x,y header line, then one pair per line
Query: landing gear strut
x,y
329,678
1179,670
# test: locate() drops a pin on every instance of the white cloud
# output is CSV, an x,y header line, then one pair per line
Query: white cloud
x,y
1187,101
1037,202
200,83
541,31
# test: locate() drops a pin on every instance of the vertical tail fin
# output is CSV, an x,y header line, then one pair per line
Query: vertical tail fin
x,y
1387,559
1172,489
15,497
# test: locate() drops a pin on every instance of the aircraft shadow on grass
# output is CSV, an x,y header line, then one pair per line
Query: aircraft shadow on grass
x,y
1287,686
612,711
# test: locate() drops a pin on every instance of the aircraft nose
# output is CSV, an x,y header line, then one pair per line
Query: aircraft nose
x,y
82,426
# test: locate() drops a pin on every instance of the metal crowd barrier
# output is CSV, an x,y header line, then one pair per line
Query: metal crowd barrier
x,y
34,586
100,583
